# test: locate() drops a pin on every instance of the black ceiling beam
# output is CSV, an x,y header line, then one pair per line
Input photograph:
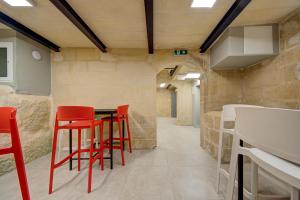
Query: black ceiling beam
x,y
149,22
172,72
234,11
13,24
70,13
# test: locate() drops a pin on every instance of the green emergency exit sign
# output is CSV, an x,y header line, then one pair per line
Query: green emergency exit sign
x,y
179,52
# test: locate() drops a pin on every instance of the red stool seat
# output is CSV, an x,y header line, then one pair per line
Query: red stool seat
x,y
81,124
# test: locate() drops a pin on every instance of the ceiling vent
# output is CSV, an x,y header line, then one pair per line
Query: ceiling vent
x,y
244,46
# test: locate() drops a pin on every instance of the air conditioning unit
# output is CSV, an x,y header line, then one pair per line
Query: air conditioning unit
x,y
243,46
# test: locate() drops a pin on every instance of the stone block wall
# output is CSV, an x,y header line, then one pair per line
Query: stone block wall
x,y
217,88
163,102
163,95
274,82
184,103
33,116
211,133
85,76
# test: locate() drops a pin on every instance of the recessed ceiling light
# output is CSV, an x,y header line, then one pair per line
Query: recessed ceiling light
x,y
162,85
23,3
180,77
192,75
203,3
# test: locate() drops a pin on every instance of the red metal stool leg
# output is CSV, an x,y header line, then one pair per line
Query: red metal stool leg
x,y
109,124
128,134
17,149
91,161
54,144
121,142
79,149
101,146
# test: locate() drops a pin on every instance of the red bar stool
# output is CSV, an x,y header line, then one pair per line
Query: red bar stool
x,y
8,125
122,115
80,117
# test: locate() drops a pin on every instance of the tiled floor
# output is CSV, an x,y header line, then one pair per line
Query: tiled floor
x,y
178,169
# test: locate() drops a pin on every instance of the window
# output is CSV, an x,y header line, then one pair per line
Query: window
x,y
6,61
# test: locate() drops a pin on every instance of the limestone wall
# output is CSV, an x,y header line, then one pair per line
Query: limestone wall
x,y
211,124
163,95
217,88
163,102
33,115
211,135
184,103
87,77
274,82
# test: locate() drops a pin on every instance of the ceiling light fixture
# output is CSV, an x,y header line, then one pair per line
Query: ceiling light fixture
x,y
192,75
162,85
180,77
203,3
21,3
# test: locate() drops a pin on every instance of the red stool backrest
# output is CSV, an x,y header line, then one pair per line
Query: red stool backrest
x,y
6,115
8,124
122,111
74,113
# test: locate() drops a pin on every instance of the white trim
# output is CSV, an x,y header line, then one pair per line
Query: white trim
x,y
10,71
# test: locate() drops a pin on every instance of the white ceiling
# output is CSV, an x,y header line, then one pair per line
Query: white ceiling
x,y
266,11
46,20
176,24
121,24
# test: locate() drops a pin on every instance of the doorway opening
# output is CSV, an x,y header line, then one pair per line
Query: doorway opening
x,y
173,103
178,95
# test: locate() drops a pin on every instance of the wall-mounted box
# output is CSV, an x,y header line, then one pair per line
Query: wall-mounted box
x,y
243,46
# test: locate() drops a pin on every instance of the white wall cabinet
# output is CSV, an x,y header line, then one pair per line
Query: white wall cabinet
x,y
244,46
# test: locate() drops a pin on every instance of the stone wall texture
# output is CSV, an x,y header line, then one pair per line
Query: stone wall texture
x,y
217,88
84,76
211,135
184,103
33,116
163,95
163,102
274,82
